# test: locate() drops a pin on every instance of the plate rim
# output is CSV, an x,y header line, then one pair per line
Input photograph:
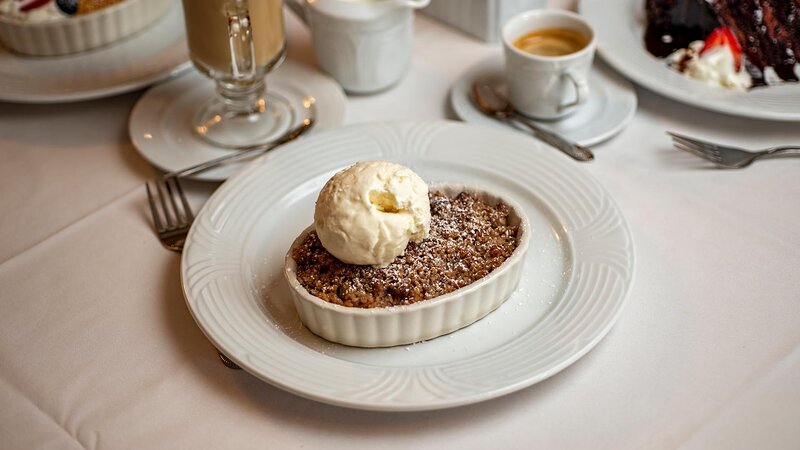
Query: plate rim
x,y
625,64
617,307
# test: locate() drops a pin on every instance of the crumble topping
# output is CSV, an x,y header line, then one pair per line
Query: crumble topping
x,y
468,240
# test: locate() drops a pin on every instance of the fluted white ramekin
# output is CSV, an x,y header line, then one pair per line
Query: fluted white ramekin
x,y
83,32
406,324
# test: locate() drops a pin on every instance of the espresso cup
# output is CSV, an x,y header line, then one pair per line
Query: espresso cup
x,y
552,82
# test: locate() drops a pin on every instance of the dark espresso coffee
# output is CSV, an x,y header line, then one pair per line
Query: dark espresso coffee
x,y
551,42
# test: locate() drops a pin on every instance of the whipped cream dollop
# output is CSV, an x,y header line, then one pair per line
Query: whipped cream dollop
x,y
717,66
368,213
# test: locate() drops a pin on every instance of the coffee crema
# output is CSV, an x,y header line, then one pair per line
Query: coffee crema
x,y
551,42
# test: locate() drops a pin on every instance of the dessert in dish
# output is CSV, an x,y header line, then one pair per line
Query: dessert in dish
x,y
60,27
734,44
459,262
381,239
468,240
31,10
46,10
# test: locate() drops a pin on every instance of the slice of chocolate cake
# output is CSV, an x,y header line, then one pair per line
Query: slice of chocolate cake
x,y
673,24
767,30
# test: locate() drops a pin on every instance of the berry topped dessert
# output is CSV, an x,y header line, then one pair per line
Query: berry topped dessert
x,y
63,27
46,10
31,10
735,44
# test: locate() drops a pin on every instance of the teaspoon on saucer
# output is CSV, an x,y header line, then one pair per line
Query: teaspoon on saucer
x,y
496,107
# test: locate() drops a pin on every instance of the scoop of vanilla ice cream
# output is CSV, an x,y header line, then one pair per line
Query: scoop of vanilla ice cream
x,y
368,213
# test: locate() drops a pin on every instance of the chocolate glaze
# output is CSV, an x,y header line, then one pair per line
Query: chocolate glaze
x,y
673,24
767,30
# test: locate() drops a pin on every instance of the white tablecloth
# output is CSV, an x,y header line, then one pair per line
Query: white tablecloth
x,y
97,348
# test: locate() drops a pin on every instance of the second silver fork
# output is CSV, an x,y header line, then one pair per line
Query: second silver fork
x,y
725,156
172,218
172,215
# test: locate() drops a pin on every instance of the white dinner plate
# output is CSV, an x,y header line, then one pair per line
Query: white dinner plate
x,y
160,123
577,272
151,55
610,107
620,26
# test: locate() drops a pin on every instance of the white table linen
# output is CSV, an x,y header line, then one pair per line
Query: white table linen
x,y
98,350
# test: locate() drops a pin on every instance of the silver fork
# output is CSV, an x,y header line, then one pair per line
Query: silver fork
x,y
725,156
172,224
172,218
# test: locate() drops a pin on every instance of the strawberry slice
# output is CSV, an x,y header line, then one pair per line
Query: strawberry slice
x,y
724,36
33,5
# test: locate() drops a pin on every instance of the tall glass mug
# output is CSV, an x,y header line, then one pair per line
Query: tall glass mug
x,y
236,43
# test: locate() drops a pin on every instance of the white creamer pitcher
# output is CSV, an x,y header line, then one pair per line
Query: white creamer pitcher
x,y
364,44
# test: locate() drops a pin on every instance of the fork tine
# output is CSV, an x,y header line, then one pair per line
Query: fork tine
x,y
171,192
154,208
688,149
689,139
694,151
708,146
706,150
187,209
693,143
161,187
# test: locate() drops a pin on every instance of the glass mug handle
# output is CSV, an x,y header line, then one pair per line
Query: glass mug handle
x,y
240,37
581,91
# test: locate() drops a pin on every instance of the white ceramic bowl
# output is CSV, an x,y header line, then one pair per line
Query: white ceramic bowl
x,y
406,324
83,32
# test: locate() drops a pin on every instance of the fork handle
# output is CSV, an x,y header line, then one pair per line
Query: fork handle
x,y
783,150
577,152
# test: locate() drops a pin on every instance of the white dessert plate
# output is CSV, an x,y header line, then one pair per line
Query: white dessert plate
x,y
610,107
577,272
160,123
620,26
152,55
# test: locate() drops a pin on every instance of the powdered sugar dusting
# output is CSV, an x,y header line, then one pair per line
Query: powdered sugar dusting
x,y
468,240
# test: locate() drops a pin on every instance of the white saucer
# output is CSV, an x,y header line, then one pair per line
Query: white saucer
x,y
611,104
160,123
145,58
